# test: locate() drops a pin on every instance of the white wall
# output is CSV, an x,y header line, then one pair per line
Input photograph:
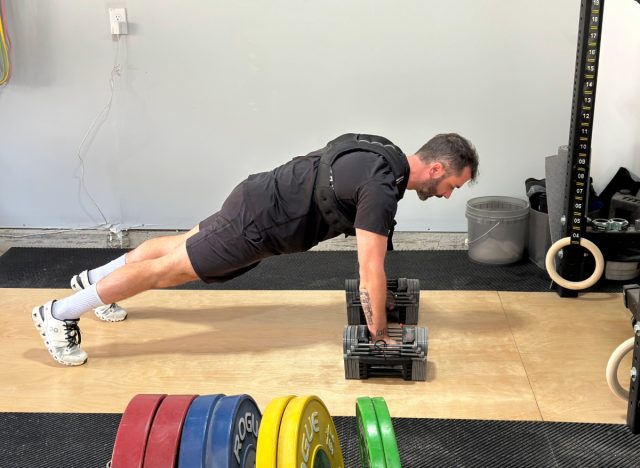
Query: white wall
x,y
210,91
617,124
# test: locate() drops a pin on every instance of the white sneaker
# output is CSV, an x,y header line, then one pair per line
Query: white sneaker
x,y
110,313
61,337
107,313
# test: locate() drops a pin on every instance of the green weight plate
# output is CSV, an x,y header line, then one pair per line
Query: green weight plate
x,y
371,449
387,434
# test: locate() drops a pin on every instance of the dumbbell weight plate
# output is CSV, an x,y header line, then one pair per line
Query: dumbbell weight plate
x,y
352,293
308,436
413,310
164,436
267,452
233,436
194,432
422,339
349,340
369,437
133,431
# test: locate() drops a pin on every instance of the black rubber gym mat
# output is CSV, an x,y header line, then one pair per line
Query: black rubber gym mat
x,y
27,267
46,440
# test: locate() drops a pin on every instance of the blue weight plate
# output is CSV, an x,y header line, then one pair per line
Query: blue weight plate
x,y
233,438
197,425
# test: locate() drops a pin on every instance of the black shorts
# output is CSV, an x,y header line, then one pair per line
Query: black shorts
x,y
228,243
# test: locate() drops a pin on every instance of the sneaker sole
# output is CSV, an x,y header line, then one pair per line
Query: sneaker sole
x,y
104,319
39,324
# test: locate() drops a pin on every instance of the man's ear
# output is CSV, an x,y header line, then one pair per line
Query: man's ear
x,y
436,170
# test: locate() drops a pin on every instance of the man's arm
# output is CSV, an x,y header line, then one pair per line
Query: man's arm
x,y
372,249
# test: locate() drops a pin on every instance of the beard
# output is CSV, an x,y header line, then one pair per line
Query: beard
x,y
429,189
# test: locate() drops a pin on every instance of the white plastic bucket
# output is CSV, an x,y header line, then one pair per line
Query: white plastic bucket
x,y
497,229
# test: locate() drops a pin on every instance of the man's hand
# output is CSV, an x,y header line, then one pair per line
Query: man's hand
x,y
378,336
383,338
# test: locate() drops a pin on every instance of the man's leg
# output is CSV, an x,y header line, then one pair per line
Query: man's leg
x,y
57,321
169,270
158,246
150,249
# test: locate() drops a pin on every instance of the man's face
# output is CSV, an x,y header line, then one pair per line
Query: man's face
x,y
429,188
444,185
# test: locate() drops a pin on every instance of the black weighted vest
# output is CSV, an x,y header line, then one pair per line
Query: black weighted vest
x,y
351,142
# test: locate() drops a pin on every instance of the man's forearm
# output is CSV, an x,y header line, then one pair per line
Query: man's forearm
x,y
373,282
373,299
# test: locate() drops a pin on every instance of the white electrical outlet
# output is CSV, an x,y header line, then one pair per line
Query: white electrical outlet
x,y
118,20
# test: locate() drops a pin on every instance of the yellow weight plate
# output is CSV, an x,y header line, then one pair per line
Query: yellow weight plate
x,y
308,436
267,448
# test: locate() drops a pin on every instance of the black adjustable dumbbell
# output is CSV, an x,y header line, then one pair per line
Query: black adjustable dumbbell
x,y
403,301
364,358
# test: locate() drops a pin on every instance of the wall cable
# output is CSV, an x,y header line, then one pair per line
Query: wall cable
x,y
93,128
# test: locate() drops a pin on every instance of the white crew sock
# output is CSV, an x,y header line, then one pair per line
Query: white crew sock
x,y
97,274
74,306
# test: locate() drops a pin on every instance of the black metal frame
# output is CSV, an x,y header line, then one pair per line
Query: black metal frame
x,y
631,294
572,263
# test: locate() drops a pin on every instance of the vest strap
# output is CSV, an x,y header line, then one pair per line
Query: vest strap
x,y
324,190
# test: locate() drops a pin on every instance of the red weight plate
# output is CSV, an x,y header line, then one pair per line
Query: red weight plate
x,y
133,431
164,437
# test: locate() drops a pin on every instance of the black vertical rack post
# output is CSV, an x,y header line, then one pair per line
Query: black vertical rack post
x,y
633,416
572,263
631,295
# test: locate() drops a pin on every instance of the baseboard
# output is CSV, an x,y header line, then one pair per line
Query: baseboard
x,y
131,238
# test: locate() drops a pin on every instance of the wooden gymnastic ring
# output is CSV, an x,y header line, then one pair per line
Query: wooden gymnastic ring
x,y
575,285
612,368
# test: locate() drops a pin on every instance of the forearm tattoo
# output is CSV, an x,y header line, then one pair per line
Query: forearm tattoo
x,y
365,300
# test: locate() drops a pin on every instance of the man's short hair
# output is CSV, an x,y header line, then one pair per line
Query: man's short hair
x,y
453,151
